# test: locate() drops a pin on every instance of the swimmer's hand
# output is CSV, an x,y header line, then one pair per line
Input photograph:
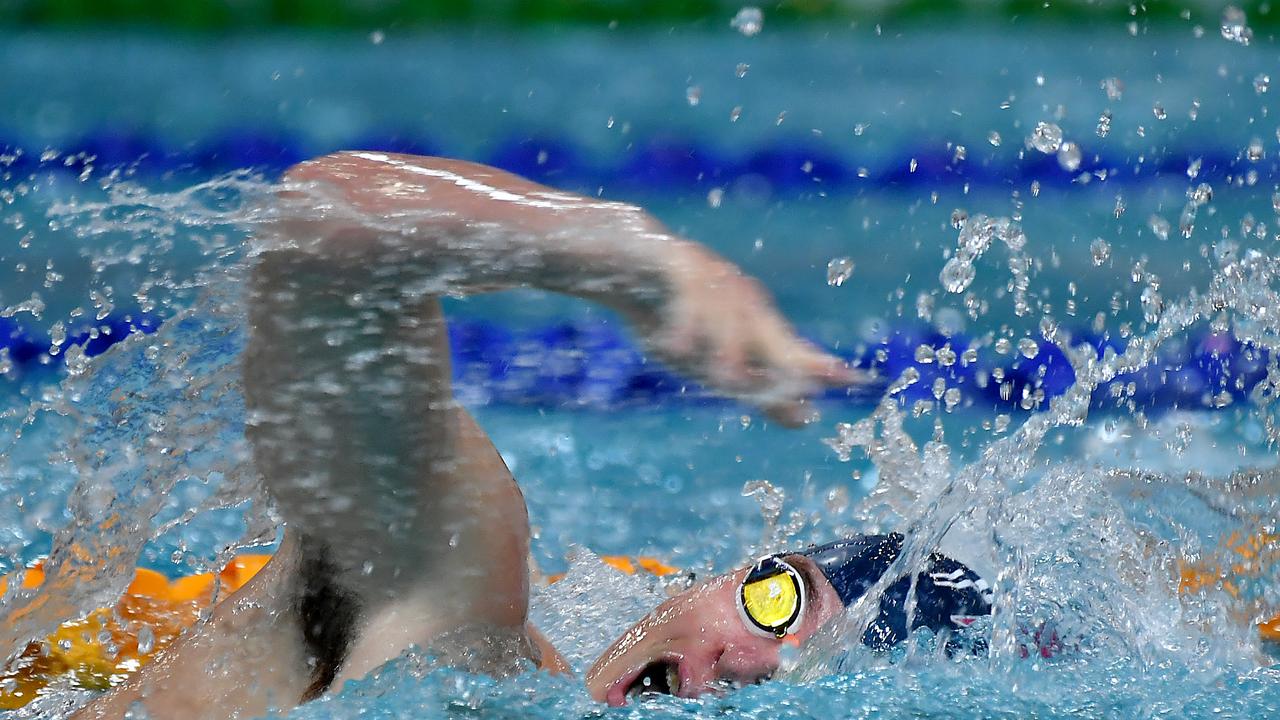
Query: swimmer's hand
x,y
720,326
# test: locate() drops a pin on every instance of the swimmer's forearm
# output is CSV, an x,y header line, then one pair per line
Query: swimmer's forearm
x,y
468,227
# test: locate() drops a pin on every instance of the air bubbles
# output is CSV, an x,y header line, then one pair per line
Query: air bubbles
x,y
838,270
1193,168
958,218
1069,156
1261,82
1235,26
377,37
1100,250
1046,137
749,21
1159,112
693,94
993,137
741,70
715,196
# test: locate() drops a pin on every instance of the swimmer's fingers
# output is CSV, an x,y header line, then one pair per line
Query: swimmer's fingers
x,y
723,328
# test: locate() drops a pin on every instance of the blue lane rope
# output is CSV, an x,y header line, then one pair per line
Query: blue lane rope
x,y
663,162
595,365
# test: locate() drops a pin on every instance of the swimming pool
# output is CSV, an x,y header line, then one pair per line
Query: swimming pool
x,y
784,152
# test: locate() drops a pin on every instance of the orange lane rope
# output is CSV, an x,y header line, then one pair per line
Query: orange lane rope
x,y
106,646
1247,558
103,648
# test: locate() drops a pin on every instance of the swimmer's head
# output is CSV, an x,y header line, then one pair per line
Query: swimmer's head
x,y
731,630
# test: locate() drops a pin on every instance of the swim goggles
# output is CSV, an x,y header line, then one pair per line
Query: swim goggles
x,y
771,599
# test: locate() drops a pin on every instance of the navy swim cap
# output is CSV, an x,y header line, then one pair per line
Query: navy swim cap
x,y
948,594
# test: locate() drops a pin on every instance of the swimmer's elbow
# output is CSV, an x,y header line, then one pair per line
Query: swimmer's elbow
x,y
323,206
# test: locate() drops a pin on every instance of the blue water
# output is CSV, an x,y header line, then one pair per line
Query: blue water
x,y
657,472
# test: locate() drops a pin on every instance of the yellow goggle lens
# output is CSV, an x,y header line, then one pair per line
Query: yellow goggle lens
x,y
772,602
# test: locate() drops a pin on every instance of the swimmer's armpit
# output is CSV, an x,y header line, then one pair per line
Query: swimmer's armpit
x,y
453,226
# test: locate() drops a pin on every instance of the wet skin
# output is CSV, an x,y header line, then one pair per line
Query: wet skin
x,y
697,641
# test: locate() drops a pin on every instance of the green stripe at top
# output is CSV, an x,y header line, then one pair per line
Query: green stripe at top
x,y
219,15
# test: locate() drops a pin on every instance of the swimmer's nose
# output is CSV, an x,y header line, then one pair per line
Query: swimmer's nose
x,y
747,663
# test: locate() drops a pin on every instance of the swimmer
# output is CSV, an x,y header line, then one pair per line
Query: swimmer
x,y
402,525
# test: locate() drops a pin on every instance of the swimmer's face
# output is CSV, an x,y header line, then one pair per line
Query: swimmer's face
x,y
699,640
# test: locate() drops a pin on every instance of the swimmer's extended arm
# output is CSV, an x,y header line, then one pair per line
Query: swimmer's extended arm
x,y
410,529
468,227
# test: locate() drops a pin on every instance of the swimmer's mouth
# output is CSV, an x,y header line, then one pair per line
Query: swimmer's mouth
x,y
660,677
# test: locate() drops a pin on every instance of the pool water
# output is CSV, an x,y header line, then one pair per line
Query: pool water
x,y
844,144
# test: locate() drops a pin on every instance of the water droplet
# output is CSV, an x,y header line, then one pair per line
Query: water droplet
x,y
1159,111
951,398
1255,151
1100,250
1028,348
1235,26
838,270
956,275
1114,87
377,36
1159,227
749,21
146,640
1152,304
742,69
1261,82
993,137
693,94
1046,137
1200,194
1069,156
1104,123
